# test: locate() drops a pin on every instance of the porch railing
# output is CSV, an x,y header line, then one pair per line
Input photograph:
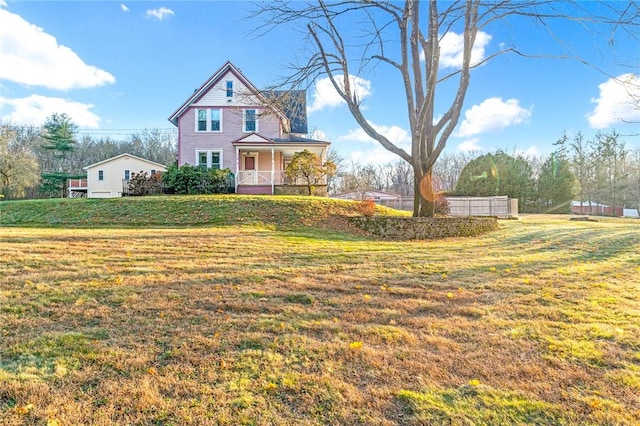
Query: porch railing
x,y
263,177
77,183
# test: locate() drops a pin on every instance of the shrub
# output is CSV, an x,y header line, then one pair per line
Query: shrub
x,y
143,184
367,207
196,180
441,206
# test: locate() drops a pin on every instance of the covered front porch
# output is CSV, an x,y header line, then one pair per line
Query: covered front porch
x,y
261,164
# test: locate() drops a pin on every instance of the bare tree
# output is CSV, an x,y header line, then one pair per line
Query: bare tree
x,y
333,181
359,179
448,168
18,166
612,154
633,166
402,36
401,178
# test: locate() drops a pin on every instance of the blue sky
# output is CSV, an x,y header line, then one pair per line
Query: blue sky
x,y
119,67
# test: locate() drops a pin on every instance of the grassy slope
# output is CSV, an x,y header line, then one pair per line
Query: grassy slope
x,y
178,211
538,323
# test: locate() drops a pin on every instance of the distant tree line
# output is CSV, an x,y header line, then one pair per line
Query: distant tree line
x,y
599,170
35,162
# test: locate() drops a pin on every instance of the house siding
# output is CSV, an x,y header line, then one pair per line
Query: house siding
x,y
111,185
217,94
232,125
271,125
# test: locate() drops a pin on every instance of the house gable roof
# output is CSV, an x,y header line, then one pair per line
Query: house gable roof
x,y
253,138
290,140
293,104
108,160
289,105
227,68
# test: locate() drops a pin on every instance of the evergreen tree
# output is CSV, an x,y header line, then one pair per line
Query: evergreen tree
x,y
59,135
556,185
498,174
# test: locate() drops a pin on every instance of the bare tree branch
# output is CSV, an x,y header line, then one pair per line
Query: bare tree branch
x,y
349,37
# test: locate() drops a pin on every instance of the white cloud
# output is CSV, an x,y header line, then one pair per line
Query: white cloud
x,y
124,7
3,3
619,101
318,135
32,57
452,45
35,109
326,96
375,155
160,14
470,145
491,116
396,134
530,152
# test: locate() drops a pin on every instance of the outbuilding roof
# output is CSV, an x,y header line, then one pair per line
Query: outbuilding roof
x,y
108,160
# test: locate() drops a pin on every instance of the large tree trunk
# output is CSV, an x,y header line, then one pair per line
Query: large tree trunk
x,y
424,197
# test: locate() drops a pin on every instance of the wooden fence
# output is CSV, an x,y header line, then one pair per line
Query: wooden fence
x,y
501,206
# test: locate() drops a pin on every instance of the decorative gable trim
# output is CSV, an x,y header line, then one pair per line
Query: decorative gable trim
x,y
227,68
253,138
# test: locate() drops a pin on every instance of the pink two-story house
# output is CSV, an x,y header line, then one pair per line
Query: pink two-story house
x,y
228,123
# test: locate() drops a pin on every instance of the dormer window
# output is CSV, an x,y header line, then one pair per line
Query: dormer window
x,y
229,89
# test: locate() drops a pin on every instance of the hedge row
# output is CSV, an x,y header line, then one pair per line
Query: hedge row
x,y
425,228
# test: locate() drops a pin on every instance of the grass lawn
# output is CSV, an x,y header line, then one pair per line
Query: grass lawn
x,y
254,320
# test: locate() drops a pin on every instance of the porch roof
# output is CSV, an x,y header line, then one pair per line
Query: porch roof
x,y
256,141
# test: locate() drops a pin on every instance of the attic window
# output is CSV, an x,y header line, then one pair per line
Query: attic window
x,y
229,89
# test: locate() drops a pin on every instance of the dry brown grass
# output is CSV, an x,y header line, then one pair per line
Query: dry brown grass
x,y
538,323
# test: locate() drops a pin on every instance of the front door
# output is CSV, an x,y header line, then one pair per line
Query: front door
x,y
250,170
249,163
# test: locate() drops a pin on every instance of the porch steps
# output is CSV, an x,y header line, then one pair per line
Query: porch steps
x,y
254,189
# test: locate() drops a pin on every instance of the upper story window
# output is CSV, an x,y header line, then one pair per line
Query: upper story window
x,y
209,120
250,120
100,174
215,120
229,89
202,120
126,175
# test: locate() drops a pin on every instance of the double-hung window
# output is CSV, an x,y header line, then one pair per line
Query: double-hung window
x,y
250,120
215,120
209,120
127,175
211,159
229,89
202,120
202,159
215,160
100,174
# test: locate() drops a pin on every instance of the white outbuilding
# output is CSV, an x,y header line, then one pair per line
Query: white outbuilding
x,y
108,178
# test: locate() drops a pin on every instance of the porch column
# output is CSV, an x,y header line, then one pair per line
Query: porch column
x,y
237,168
273,168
